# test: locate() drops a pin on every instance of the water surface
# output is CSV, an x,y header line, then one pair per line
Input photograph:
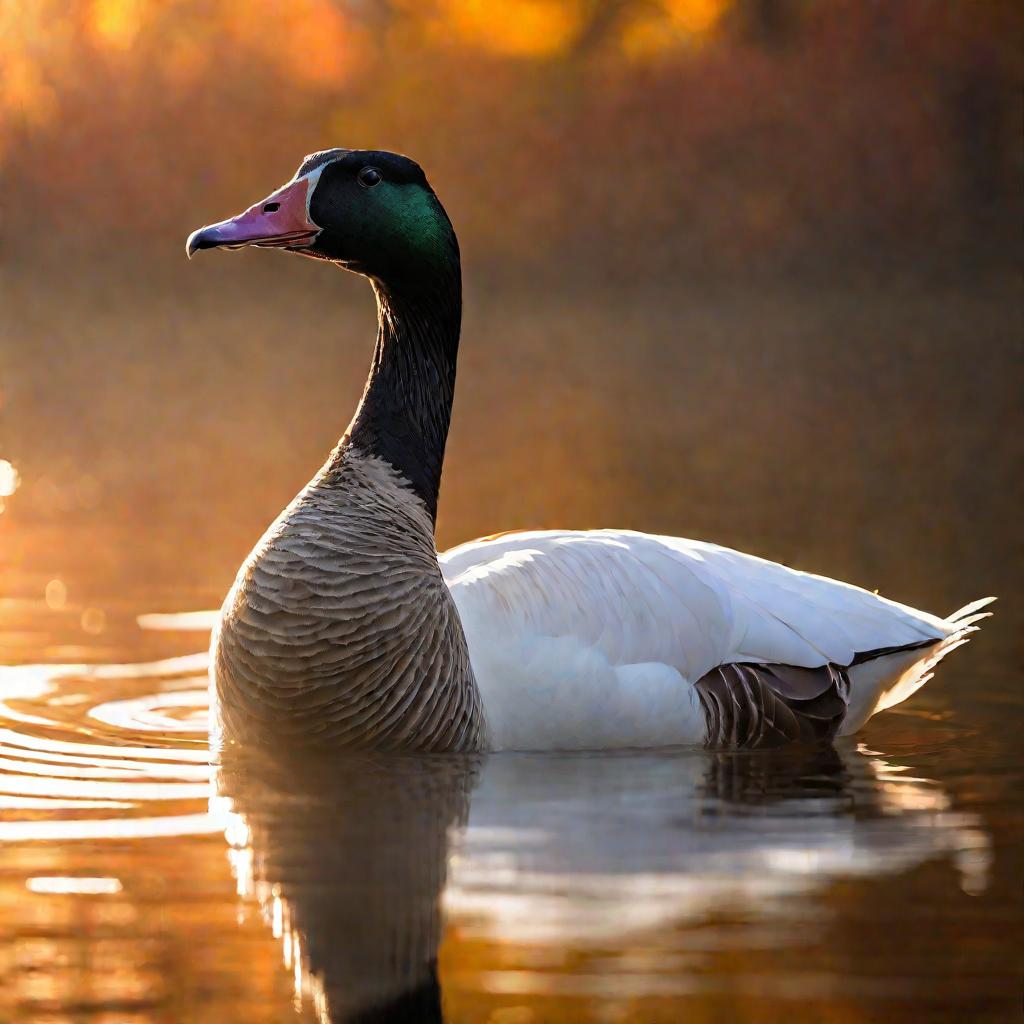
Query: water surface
x,y
875,881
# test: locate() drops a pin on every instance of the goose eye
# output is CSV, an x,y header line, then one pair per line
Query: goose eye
x,y
368,177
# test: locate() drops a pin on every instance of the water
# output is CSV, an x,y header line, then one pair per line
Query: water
x,y
877,881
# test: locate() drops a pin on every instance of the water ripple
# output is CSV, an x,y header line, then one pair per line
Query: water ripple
x,y
111,751
652,868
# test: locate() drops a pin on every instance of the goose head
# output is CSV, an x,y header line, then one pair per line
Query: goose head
x,y
370,211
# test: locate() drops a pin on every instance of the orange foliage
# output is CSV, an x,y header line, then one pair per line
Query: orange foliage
x,y
637,134
309,41
661,28
524,28
116,23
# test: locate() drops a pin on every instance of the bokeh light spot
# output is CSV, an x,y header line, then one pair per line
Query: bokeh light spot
x,y
56,595
116,23
10,479
94,621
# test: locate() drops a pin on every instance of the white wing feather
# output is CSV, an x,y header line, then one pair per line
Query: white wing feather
x,y
589,639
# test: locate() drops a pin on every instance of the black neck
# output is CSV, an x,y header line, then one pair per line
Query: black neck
x,y
406,408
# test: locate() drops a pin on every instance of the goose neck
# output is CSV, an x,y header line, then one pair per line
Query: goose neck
x,y
405,411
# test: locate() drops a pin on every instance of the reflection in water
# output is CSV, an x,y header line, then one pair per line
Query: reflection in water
x,y
348,857
659,840
570,876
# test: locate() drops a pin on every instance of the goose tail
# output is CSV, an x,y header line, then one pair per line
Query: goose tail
x,y
970,613
890,680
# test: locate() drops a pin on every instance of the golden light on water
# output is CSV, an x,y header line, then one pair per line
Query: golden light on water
x,y
62,886
201,622
274,909
9,476
92,829
145,791
10,480
79,803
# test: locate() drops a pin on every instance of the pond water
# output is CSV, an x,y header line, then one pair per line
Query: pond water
x,y
876,881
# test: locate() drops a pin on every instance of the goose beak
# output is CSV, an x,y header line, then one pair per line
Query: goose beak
x,y
280,221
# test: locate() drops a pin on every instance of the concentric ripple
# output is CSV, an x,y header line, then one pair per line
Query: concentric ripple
x,y
116,751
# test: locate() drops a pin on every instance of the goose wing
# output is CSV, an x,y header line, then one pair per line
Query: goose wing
x,y
553,617
693,604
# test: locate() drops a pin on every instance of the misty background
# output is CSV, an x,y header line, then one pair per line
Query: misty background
x,y
743,270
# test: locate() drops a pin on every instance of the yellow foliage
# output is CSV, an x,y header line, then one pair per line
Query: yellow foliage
x,y
696,17
24,92
526,28
116,23
671,24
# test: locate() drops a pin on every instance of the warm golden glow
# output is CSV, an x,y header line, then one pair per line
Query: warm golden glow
x,y
274,909
9,479
56,594
309,40
58,886
92,829
30,33
200,622
94,621
49,763
615,172
695,16
659,28
524,28
116,23
504,900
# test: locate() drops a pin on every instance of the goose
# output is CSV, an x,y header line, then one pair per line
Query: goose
x,y
345,628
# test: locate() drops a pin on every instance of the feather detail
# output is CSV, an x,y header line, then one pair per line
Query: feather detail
x,y
345,628
340,628
761,706
575,636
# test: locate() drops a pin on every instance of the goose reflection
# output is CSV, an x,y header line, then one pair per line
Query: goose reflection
x,y
346,857
569,850
351,859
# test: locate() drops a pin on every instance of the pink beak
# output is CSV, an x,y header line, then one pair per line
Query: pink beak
x,y
280,221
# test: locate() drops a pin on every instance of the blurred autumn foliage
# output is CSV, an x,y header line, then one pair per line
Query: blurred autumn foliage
x,y
625,136
736,269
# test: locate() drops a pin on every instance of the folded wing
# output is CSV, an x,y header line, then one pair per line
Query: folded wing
x,y
640,606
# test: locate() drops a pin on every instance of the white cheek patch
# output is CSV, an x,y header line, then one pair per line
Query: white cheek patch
x,y
311,180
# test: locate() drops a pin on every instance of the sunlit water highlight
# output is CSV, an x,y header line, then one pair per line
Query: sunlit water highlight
x,y
559,884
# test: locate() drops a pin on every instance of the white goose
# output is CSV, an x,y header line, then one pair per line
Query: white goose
x,y
345,627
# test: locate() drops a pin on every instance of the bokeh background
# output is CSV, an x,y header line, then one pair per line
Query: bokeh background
x,y
746,270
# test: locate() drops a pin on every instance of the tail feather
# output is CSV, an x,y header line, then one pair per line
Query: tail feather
x,y
967,623
891,680
921,671
966,615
